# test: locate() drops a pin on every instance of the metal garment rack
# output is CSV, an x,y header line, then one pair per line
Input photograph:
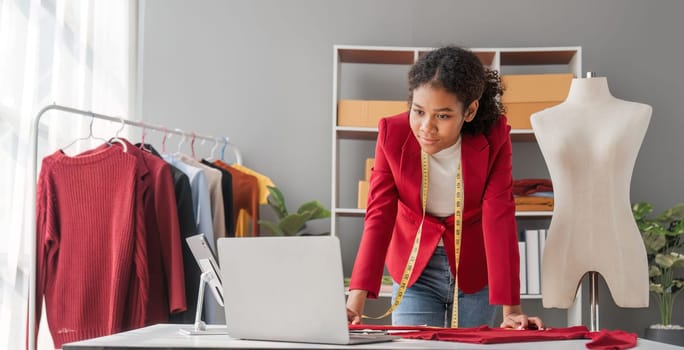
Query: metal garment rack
x,y
31,325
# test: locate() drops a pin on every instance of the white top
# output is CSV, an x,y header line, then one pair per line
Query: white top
x,y
443,166
214,177
201,201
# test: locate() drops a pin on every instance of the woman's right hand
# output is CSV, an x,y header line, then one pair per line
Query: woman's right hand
x,y
355,304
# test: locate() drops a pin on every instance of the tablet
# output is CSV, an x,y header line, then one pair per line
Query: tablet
x,y
206,259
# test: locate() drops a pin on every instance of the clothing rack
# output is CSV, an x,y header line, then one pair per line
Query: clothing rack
x,y
31,325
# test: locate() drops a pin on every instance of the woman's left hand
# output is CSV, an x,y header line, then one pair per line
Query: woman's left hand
x,y
514,318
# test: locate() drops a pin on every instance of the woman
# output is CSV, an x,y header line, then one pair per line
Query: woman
x,y
455,117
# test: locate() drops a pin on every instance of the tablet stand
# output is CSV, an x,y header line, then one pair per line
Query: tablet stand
x,y
200,328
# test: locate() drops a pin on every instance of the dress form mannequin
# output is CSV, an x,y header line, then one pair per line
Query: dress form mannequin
x,y
590,144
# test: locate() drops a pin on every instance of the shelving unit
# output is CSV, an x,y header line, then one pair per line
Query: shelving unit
x,y
380,73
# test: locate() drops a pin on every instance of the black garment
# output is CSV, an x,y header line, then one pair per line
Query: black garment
x,y
227,189
186,218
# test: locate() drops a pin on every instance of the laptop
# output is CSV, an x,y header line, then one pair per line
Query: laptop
x,y
286,289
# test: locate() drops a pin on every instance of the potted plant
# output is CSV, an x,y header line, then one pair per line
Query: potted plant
x,y
291,224
663,237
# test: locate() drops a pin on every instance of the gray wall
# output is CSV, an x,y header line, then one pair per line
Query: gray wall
x,y
260,72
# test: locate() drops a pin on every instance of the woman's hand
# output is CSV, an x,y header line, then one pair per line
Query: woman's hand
x,y
514,318
355,304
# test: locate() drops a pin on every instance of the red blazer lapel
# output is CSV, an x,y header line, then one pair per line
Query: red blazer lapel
x,y
474,160
411,173
474,157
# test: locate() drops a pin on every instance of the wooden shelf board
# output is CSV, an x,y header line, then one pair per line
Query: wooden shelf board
x,y
486,57
376,56
528,58
352,132
522,135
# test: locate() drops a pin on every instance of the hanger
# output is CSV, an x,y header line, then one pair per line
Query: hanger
x,y
180,144
142,139
166,134
192,145
90,134
117,139
213,149
223,149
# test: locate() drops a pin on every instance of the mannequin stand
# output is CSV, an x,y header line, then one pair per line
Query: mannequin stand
x,y
593,301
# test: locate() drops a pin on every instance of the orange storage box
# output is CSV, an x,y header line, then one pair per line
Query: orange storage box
x,y
526,94
363,194
367,113
370,162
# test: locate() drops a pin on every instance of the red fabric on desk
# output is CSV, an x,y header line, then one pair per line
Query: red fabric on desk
x,y
611,340
486,335
604,340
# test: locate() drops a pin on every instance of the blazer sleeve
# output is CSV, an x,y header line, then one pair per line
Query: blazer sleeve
x,y
171,244
381,213
498,221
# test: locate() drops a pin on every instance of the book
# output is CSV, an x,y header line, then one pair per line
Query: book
x,y
542,243
532,255
523,268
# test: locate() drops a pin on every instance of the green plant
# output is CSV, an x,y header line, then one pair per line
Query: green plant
x,y
290,224
663,238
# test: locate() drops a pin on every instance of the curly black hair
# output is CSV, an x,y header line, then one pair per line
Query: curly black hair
x,y
461,73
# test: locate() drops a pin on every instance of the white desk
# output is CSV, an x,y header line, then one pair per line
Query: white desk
x,y
166,336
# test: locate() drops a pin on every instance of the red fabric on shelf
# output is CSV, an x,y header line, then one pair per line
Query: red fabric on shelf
x,y
523,187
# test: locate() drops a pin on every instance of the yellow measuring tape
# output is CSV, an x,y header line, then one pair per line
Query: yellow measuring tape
x,y
458,228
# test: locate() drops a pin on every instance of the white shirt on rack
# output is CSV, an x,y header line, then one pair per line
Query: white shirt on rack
x,y
201,202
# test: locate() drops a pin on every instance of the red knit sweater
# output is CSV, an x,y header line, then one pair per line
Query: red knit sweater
x,y
90,243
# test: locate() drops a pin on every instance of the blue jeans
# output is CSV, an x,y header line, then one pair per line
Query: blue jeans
x,y
429,300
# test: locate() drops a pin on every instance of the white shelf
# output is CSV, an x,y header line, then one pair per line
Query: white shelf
x,y
349,212
523,60
360,133
386,292
522,132
362,212
342,129
530,296
533,213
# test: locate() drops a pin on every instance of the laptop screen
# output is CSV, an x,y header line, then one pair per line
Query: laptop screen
x,y
284,288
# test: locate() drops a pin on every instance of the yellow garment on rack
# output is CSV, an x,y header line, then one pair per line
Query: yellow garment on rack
x,y
242,224
263,180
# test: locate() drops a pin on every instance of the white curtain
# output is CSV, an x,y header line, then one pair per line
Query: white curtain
x,y
77,53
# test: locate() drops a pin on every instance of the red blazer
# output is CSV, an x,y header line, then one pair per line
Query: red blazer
x,y
489,244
